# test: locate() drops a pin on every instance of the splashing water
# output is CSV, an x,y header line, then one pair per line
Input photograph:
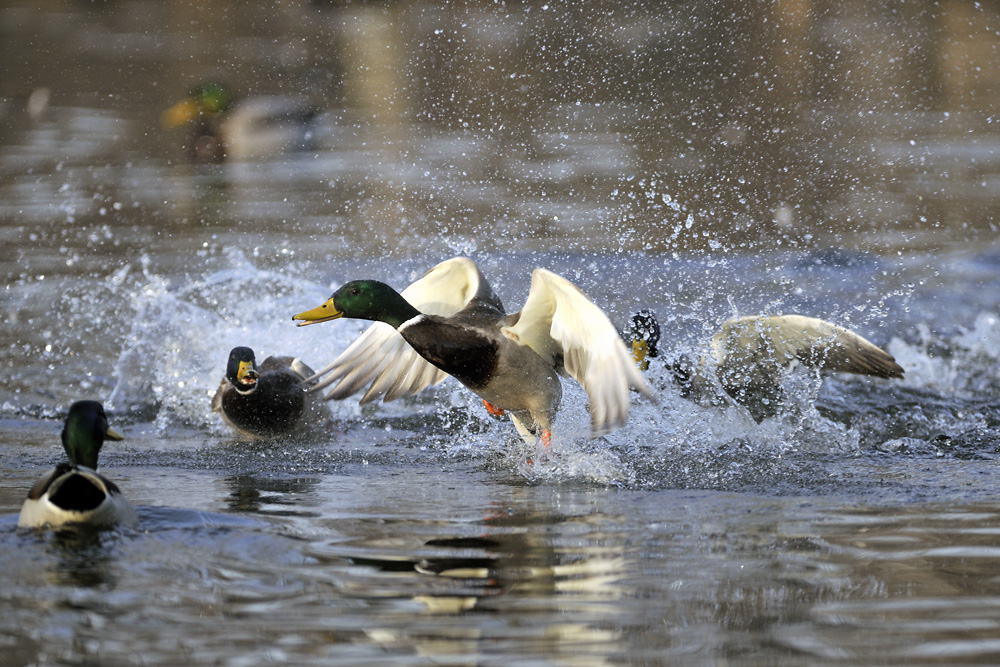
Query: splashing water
x,y
182,330
176,350
170,334
965,364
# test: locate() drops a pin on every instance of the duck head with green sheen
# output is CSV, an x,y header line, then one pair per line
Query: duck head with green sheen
x,y
212,97
84,433
207,99
362,300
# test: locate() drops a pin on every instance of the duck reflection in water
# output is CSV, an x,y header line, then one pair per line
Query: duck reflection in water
x,y
274,497
84,556
512,565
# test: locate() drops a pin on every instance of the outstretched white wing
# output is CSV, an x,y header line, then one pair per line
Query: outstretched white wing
x,y
559,322
772,342
381,360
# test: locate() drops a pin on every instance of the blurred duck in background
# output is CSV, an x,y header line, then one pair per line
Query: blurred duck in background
x,y
33,104
223,127
75,493
752,356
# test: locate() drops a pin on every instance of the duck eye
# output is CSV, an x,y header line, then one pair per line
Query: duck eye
x,y
355,291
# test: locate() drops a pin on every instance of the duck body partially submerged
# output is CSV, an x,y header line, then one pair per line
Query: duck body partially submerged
x,y
74,492
75,495
266,401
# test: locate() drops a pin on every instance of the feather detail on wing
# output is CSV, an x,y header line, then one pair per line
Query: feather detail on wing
x,y
778,341
381,360
559,322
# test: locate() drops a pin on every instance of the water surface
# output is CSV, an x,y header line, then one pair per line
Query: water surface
x,y
839,163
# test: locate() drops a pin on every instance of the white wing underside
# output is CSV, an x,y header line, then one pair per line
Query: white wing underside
x,y
558,320
381,360
768,343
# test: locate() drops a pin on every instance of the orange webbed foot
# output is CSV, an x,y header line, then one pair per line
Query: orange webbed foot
x,y
492,409
546,440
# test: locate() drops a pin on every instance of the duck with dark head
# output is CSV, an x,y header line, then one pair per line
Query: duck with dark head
x,y
751,357
267,401
223,127
74,492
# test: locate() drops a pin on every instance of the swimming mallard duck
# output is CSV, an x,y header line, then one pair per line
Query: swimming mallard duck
x,y
75,492
450,322
223,127
265,401
752,355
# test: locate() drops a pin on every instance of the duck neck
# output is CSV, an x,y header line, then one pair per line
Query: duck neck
x,y
394,310
80,446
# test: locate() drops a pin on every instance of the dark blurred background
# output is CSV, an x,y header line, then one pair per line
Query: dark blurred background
x,y
722,126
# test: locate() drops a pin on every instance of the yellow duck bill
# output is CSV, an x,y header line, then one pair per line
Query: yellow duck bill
x,y
180,114
640,352
247,374
322,313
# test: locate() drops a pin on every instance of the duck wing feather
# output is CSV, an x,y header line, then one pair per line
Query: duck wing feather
x,y
777,341
381,360
563,326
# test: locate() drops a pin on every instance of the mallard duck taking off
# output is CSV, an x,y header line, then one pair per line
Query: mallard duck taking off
x,y
265,401
75,492
450,322
222,127
752,355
